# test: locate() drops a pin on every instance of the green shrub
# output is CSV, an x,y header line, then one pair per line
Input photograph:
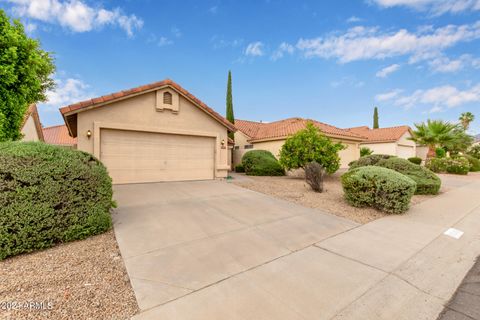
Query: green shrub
x,y
475,151
474,163
440,153
377,187
308,145
416,160
371,160
437,165
458,165
365,151
239,168
261,163
427,181
48,195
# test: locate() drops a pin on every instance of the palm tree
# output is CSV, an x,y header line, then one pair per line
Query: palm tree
x,y
465,119
434,133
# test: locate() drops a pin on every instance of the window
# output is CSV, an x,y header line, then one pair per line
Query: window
x,y
237,147
167,98
248,146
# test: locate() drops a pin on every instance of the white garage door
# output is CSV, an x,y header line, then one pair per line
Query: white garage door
x,y
133,156
405,152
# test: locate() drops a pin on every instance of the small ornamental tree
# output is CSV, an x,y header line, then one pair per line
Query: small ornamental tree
x,y
365,151
25,76
229,112
309,145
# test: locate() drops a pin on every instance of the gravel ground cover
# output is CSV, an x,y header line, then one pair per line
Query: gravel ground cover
x,y
78,280
294,188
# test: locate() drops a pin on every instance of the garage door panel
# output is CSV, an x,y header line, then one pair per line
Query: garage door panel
x,y
133,156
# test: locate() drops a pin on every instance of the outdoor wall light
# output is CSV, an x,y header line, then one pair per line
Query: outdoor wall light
x,y
222,142
89,134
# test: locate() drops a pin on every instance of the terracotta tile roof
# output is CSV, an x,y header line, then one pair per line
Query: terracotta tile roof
x,y
258,131
382,134
33,111
109,98
58,135
250,128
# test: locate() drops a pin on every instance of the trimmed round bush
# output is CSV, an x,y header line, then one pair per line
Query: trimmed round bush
x,y
474,163
415,160
370,160
427,181
440,153
381,188
261,163
48,195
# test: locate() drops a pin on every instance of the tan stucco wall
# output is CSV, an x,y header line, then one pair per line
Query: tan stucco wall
x,y
29,130
422,152
240,141
405,142
139,113
351,153
382,148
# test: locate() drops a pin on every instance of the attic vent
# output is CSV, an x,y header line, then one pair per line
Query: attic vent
x,y
167,98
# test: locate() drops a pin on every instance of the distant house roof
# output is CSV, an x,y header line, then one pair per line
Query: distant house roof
x,y
260,131
69,112
390,134
58,135
33,112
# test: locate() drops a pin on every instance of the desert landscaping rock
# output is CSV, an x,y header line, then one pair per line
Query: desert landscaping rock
x,y
294,188
80,280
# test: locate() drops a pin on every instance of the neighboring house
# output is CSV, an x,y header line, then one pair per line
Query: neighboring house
x,y
58,135
31,126
393,140
156,132
271,137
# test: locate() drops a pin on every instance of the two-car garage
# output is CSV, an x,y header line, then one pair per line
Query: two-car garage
x,y
135,156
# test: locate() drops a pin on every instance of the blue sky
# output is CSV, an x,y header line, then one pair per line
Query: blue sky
x,y
330,60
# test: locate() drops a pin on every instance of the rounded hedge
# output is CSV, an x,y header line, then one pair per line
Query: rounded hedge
x,y
48,195
377,187
370,160
427,181
458,165
261,163
416,160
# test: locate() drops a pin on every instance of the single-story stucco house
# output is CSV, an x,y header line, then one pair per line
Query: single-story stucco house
x,y
392,140
155,132
272,135
31,128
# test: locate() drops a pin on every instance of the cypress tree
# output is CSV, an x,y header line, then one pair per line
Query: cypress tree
x,y
229,112
375,118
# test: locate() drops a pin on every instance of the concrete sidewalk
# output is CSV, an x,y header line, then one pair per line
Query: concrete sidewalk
x,y
398,267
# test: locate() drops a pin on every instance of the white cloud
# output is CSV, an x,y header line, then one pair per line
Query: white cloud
x,y
443,64
437,97
283,48
213,9
354,19
387,70
254,49
362,43
176,32
435,7
164,41
388,95
30,27
67,91
218,42
75,15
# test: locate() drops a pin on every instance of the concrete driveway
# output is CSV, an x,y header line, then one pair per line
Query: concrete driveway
x,y
212,250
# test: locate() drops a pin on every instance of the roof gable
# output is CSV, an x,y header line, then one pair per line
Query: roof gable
x,y
69,112
32,111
